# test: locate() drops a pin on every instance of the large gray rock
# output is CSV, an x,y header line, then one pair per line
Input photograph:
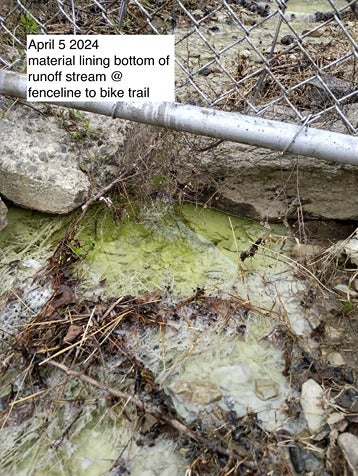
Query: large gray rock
x,y
259,183
37,170
45,151
3,213
40,186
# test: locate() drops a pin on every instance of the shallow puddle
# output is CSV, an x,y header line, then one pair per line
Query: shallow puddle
x,y
178,248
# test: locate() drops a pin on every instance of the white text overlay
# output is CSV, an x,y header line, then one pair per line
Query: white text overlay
x,y
98,68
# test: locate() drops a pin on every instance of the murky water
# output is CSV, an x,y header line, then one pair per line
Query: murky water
x,y
178,248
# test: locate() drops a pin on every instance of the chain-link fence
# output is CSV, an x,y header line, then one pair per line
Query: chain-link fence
x,y
294,61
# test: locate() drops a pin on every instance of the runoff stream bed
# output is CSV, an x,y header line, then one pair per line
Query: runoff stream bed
x,y
167,339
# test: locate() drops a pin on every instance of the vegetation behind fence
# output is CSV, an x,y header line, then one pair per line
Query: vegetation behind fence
x,y
294,61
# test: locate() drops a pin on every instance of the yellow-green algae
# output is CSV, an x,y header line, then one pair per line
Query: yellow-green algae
x,y
29,232
62,441
180,248
25,244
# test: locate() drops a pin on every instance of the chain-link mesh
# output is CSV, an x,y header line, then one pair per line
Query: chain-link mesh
x,y
294,61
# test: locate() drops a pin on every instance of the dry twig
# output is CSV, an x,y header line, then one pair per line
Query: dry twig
x,y
210,445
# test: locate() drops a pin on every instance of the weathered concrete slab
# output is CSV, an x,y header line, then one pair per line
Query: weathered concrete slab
x,y
37,169
48,153
259,183
248,181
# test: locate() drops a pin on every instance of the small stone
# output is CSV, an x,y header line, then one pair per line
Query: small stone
x,y
304,461
313,405
248,19
346,290
266,388
43,156
334,332
303,251
205,71
245,54
196,392
287,39
313,33
349,445
297,459
197,13
351,250
348,399
335,359
335,418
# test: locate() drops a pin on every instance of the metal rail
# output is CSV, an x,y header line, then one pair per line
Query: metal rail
x,y
284,137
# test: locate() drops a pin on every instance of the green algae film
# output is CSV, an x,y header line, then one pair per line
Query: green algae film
x,y
56,446
25,244
179,249
30,232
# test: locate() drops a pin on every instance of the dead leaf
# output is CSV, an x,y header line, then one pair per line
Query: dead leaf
x,y
64,295
72,332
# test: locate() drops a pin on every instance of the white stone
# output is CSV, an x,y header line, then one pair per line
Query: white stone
x,y
349,445
313,405
346,291
335,359
352,250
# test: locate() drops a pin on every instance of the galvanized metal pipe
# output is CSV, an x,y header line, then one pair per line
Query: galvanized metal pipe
x,y
281,136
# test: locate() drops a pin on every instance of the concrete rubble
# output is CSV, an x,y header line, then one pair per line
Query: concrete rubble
x,y
44,156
